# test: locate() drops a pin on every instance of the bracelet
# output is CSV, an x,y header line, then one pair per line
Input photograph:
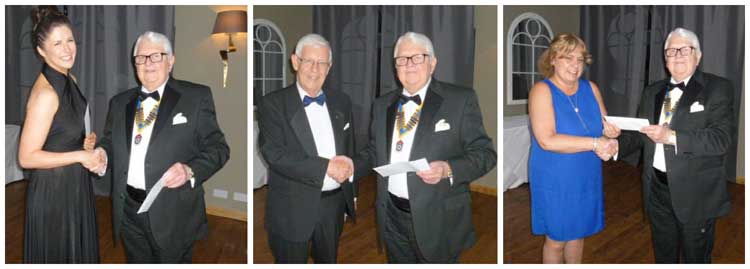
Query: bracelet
x,y
594,149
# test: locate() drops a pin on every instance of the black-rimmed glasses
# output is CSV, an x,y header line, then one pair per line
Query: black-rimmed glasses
x,y
154,57
684,51
415,59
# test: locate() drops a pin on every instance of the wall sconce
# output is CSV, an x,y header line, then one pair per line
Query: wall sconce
x,y
229,22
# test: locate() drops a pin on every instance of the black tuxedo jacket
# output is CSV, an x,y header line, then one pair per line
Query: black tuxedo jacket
x,y
441,213
695,171
177,216
296,172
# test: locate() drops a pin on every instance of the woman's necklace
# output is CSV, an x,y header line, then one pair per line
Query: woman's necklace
x,y
575,107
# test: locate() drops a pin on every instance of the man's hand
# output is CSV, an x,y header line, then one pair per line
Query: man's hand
x,y
102,155
657,133
176,176
438,170
90,141
340,168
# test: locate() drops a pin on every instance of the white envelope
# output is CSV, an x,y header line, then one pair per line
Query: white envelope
x,y
179,119
441,125
696,107
346,126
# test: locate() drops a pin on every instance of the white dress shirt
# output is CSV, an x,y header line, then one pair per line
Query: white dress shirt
x,y
322,130
674,95
136,168
397,184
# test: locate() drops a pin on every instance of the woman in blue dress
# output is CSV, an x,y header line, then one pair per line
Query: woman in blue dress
x,y
570,139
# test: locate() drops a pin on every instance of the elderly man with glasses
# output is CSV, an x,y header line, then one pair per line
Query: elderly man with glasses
x,y
162,133
683,151
425,217
306,136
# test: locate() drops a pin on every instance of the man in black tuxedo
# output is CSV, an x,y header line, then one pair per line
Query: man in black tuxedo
x,y
684,183
166,128
425,217
306,134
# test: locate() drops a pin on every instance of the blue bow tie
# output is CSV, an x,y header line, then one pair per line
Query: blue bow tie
x,y
321,99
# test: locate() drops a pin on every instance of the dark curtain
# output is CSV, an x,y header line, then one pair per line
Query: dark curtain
x,y
105,36
627,43
362,39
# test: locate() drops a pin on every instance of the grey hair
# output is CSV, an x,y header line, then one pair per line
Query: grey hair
x,y
684,33
154,37
314,40
417,38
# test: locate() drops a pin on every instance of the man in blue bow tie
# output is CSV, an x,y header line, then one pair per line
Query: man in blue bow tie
x,y
306,136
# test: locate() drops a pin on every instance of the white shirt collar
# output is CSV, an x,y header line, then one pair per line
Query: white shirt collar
x,y
303,93
160,88
671,80
422,92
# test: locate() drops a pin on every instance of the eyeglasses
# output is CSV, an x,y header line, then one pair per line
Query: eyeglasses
x,y
308,63
572,59
154,57
684,51
415,59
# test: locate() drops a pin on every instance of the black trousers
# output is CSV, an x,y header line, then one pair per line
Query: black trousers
x,y
324,241
140,245
400,241
674,241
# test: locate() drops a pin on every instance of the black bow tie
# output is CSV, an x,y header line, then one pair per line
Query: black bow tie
x,y
416,99
143,96
680,86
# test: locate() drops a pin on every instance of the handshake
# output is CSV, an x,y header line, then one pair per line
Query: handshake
x,y
340,168
607,146
95,160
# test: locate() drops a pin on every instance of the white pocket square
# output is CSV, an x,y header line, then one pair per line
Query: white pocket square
x,y
696,107
179,119
346,126
441,125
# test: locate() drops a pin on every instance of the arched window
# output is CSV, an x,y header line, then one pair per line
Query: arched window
x,y
269,58
529,35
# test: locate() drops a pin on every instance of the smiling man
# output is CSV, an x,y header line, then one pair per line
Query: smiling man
x,y
425,217
306,136
163,129
684,183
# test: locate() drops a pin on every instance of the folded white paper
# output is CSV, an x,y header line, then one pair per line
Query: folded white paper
x,y
151,196
630,124
402,167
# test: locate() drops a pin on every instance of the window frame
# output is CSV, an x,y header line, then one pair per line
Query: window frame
x,y
509,53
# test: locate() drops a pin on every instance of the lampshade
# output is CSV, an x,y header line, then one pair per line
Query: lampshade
x,y
233,21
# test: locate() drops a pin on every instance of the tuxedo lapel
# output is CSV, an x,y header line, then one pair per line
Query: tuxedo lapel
x,y
694,87
658,98
432,102
300,124
130,118
167,104
390,121
337,121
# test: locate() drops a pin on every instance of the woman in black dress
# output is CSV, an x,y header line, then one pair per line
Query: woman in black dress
x,y
60,212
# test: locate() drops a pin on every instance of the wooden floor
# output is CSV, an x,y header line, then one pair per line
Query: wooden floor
x,y
358,242
226,241
626,237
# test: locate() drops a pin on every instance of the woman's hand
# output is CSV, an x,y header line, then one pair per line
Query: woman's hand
x,y
610,130
90,141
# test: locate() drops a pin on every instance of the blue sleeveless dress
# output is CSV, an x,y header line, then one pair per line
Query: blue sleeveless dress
x,y
566,188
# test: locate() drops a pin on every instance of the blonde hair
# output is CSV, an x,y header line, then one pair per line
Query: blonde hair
x,y
562,44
